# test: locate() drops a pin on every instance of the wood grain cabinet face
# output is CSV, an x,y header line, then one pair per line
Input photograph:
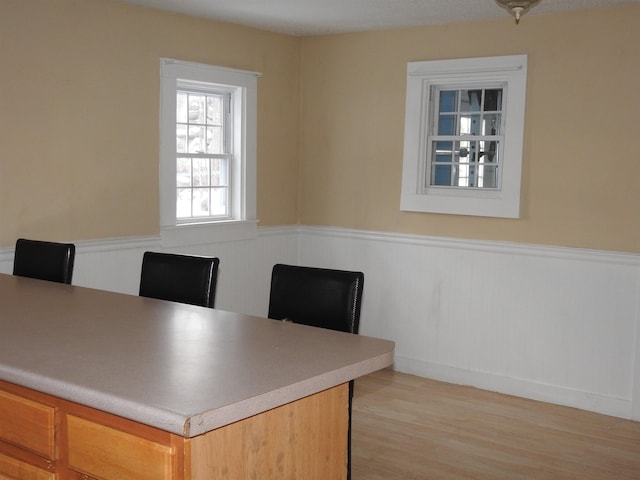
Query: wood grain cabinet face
x,y
27,424
106,453
12,469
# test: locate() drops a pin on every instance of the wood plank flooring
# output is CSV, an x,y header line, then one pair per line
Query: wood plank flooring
x,y
408,428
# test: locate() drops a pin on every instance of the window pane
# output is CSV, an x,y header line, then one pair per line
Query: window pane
x,y
489,152
443,148
488,176
181,107
490,124
181,138
493,100
447,125
196,139
215,140
219,172
201,202
441,175
200,172
448,100
470,124
183,204
197,108
470,100
214,110
219,201
183,170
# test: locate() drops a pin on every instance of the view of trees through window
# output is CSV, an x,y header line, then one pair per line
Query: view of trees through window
x,y
202,154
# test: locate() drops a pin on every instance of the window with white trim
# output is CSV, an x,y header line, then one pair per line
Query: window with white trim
x,y
464,127
208,118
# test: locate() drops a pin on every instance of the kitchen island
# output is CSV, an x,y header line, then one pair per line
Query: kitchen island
x,y
96,384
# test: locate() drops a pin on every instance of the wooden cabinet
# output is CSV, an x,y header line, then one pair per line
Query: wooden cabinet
x,y
27,424
46,438
14,469
27,439
105,452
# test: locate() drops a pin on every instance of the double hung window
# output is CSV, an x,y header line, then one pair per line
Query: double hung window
x,y
204,153
464,127
465,145
208,117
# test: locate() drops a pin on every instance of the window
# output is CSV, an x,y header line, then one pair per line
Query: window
x,y
464,128
207,152
203,153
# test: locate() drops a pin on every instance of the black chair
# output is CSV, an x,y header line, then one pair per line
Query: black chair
x,y
318,297
50,261
179,278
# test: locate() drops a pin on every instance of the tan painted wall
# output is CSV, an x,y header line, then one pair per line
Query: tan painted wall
x,y
79,121
79,99
581,166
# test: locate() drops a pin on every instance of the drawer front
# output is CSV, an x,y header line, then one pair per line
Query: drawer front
x,y
29,424
12,469
110,454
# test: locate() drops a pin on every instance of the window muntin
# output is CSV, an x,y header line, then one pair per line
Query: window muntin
x,y
203,155
465,137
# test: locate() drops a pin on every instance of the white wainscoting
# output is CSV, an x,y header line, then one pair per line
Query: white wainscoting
x,y
553,324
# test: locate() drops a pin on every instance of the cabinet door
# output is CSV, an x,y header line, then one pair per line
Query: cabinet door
x,y
110,454
12,469
28,424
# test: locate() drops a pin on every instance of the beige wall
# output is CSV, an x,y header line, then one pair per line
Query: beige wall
x,y
79,121
79,97
581,169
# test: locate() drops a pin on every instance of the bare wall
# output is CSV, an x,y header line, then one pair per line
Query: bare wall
x,y
580,166
79,92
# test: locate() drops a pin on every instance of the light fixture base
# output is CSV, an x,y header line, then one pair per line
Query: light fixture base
x,y
517,8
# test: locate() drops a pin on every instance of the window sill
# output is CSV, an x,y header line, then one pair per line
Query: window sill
x,y
205,233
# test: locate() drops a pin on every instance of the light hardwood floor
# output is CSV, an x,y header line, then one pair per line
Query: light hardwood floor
x,y
406,427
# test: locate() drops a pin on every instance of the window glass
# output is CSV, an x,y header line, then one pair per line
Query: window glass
x,y
460,115
201,130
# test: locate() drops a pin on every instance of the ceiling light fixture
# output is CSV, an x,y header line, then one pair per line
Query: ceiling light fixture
x,y
517,8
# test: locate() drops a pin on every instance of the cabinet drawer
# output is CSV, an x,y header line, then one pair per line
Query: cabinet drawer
x,y
12,469
110,454
29,424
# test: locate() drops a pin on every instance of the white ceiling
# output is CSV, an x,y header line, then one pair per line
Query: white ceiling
x,y
322,17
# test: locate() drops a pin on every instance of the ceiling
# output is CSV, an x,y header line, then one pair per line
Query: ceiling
x,y
322,17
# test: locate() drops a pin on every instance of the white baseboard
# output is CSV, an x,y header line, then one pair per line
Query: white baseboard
x,y
617,407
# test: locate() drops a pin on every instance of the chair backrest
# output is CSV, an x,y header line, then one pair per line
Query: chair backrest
x,y
318,297
51,261
179,278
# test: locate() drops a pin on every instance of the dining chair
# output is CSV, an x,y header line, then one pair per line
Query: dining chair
x,y
318,297
52,261
179,278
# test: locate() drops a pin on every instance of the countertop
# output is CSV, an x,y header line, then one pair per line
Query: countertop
x,y
181,368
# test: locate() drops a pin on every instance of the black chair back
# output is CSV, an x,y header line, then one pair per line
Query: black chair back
x,y
179,278
318,297
51,261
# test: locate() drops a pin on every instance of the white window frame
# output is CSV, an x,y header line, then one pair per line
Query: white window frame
x,y
504,201
242,222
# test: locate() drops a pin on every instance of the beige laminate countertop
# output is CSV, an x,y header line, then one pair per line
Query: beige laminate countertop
x,y
180,368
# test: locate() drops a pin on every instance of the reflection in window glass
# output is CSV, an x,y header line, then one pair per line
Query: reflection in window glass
x,y
464,151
